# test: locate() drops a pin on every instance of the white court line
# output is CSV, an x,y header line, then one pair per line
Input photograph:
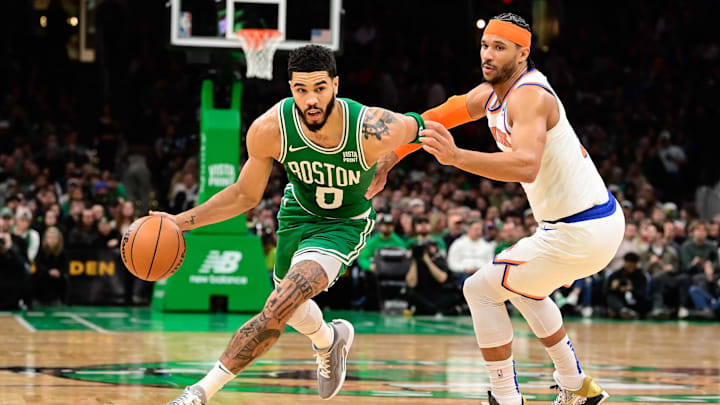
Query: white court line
x,y
87,323
25,324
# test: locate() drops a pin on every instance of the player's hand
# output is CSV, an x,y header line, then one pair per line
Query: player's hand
x,y
166,216
439,142
377,185
384,164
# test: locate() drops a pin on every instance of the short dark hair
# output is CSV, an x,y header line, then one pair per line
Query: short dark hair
x,y
520,22
312,58
421,219
631,257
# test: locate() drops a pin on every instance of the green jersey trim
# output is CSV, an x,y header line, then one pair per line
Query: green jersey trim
x,y
358,138
316,147
283,133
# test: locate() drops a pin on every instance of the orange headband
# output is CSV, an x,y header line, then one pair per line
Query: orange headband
x,y
510,31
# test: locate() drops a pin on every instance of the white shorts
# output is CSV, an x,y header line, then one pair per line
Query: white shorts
x,y
558,254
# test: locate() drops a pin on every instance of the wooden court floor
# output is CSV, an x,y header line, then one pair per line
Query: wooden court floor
x,y
134,356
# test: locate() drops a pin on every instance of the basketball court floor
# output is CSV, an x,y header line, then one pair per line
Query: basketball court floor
x,y
89,355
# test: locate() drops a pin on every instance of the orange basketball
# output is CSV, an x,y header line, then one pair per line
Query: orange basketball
x,y
153,248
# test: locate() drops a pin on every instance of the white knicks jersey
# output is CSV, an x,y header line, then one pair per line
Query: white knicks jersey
x,y
568,182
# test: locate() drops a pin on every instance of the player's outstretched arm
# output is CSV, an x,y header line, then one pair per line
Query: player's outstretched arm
x,y
247,191
456,111
529,110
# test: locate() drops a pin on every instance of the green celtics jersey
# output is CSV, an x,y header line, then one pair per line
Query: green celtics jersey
x,y
327,182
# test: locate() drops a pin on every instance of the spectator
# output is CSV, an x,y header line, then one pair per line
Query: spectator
x,y
470,251
13,264
660,256
185,194
431,288
125,217
630,243
383,239
85,235
706,299
98,211
698,255
138,181
23,220
49,219
108,237
506,237
50,281
456,228
421,227
100,193
627,290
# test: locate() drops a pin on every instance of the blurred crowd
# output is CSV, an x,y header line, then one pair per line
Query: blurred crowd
x,y
87,148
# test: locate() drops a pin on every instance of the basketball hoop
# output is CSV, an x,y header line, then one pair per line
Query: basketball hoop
x,y
259,45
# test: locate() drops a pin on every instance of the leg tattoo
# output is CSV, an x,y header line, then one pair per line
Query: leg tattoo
x,y
304,281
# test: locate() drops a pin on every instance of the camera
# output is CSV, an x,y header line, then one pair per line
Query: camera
x,y
419,249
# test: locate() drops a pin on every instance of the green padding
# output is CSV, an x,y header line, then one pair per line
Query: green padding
x,y
228,265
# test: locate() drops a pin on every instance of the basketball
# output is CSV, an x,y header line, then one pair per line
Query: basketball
x,y
153,248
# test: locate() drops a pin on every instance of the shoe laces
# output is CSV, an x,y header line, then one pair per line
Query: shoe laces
x,y
323,362
564,396
188,397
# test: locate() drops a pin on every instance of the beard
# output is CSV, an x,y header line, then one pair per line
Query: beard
x,y
314,127
503,73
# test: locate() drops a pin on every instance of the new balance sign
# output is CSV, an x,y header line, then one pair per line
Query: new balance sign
x,y
219,265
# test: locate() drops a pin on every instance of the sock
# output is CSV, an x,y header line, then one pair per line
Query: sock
x,y
503,382
569,374
215,379
323,337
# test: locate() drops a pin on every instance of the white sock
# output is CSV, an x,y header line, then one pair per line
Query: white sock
x,y
323,337
503,382
569,373
215,379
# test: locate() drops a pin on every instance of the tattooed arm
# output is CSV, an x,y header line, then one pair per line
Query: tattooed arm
x,y
305,280
263,145
384,131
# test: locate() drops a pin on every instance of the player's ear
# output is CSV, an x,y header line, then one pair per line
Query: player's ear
x,y
336,84
524,54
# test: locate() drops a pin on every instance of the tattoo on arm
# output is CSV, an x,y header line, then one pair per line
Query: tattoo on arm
x,y
304,281
190,221
375,124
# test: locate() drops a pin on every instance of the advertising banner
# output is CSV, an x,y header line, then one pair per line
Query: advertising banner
x,y
97,277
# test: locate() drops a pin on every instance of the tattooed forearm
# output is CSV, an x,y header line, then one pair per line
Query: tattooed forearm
x,y
375,123
190,221
304,280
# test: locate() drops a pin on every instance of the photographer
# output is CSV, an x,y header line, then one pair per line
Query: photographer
x,y
13,263
432,290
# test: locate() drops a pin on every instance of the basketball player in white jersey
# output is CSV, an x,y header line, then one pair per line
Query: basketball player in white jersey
x,y
580,224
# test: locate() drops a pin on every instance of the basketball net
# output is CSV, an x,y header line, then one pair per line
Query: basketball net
x,y
259,45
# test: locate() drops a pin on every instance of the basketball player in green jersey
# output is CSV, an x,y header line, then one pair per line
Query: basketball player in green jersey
x,y
329,147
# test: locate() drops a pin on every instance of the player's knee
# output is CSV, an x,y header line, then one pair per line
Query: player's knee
x,y
478,288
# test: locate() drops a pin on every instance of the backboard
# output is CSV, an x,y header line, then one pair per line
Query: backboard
x,y
213,23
